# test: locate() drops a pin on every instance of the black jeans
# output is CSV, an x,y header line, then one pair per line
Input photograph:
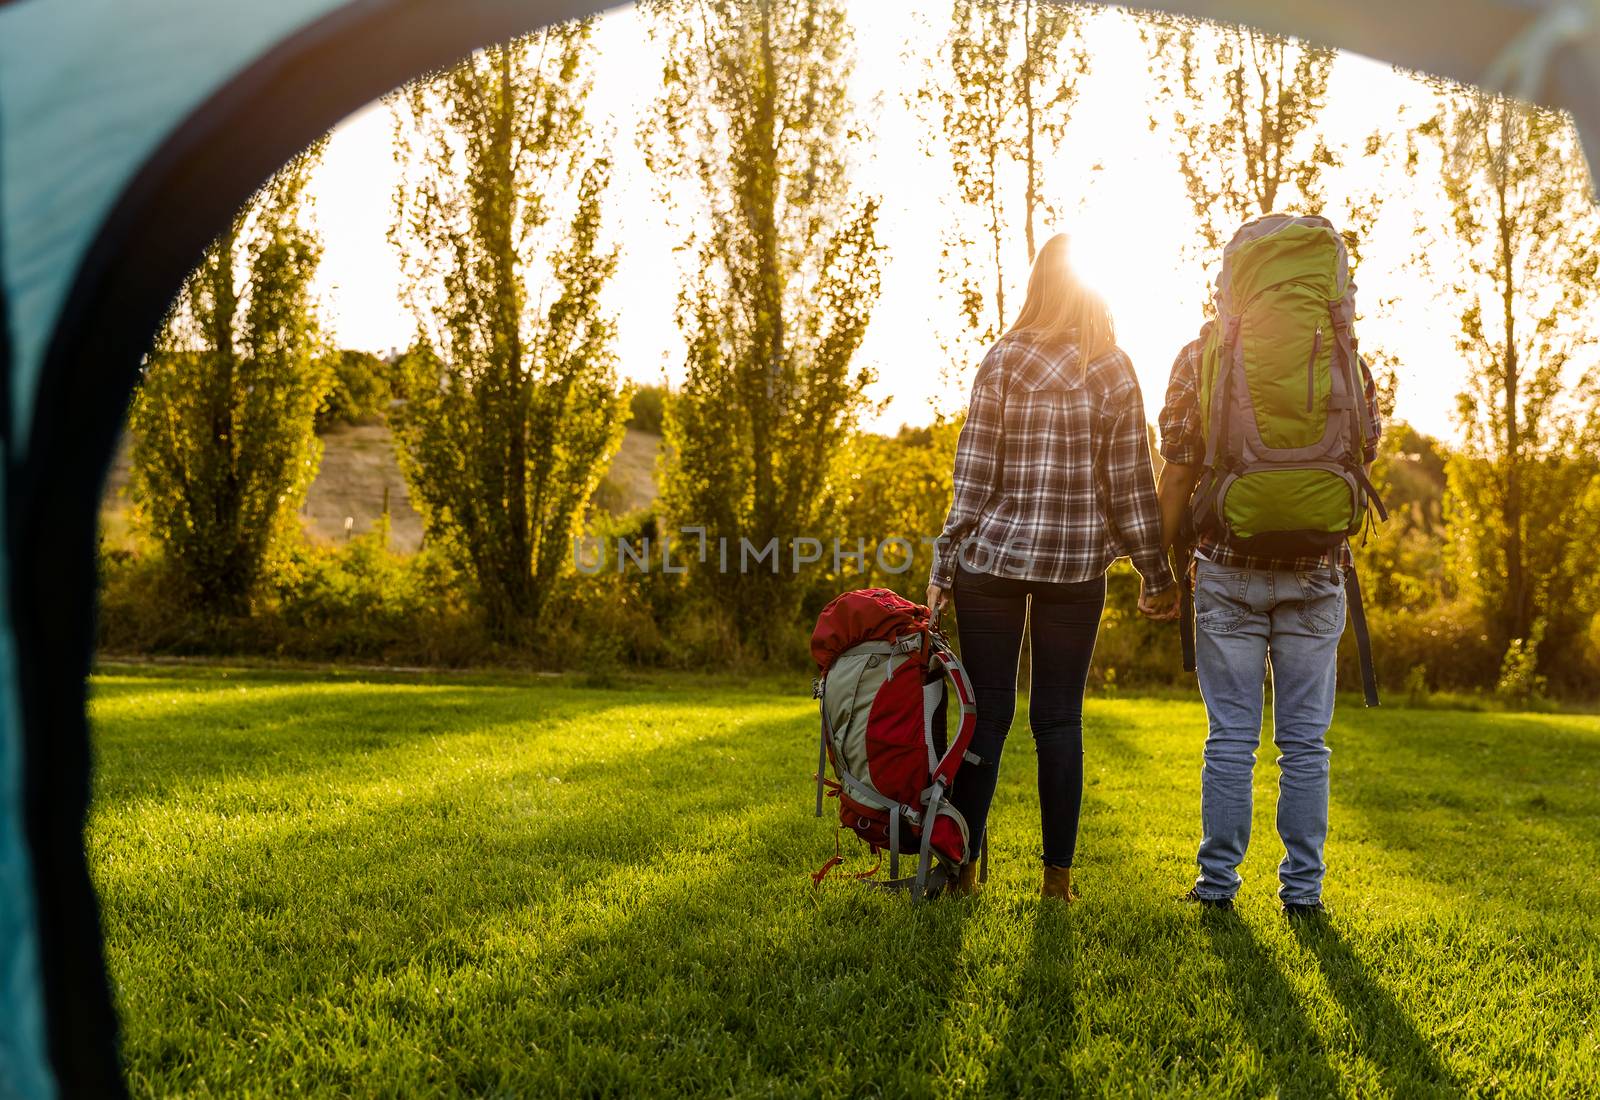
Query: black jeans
x,y
991,613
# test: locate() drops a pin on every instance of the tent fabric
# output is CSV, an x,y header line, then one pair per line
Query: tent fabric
x,y
1547,51
129,133
77,128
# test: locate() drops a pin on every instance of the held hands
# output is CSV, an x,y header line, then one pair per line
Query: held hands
x,y
1162,608
937,599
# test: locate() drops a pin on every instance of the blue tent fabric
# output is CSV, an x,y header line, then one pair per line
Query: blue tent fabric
x,y
55,90
129,133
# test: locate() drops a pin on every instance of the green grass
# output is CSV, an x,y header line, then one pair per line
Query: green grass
x,y
528,887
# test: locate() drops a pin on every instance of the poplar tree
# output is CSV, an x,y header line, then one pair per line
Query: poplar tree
x,y
224,446
1014,68
755,130
512,408
1245,111
1519,258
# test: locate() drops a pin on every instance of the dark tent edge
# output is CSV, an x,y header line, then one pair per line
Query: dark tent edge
x,y
178,202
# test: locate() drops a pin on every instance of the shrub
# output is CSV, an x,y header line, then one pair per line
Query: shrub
x,y
1442,648
647,408
360,391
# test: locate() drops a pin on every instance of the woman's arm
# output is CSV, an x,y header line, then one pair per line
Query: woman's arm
x,y
1131,507
980,455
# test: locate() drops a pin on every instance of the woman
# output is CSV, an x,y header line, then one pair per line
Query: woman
x,y
1053,482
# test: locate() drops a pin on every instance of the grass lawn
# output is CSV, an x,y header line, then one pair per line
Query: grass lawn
x,y
528,887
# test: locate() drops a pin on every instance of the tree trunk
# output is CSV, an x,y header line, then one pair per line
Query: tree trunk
x,y
225,587
765,594
1516,577
1029,123
518,569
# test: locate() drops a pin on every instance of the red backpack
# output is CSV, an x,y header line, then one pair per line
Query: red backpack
x,y
882,672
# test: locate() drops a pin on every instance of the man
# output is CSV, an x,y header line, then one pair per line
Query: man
x,y
1251,612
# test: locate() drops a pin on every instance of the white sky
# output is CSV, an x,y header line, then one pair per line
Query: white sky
x,y
1114,180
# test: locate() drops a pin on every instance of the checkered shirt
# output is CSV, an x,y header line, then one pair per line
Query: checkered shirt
x,y
1053,474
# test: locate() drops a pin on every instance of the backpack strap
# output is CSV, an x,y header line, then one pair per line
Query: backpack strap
x,y
944,769
894,843
1185,633
925,855
1358,622
1373,499
1182,559
1217,441
822,763
1342,312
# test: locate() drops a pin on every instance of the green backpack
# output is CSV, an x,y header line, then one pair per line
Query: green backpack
x,y
1286,417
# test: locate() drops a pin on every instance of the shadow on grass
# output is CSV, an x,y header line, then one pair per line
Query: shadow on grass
x,y
1384,1032
297,736
633,916
1503,792
1043,1005
1269,1010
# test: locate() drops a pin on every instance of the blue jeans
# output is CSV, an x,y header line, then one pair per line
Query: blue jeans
x,y
1247,620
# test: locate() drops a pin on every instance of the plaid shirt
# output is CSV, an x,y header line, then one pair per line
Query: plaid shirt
x,y
1183,442
1053,478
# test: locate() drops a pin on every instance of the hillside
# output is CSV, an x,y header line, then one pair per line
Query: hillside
x,y
359,469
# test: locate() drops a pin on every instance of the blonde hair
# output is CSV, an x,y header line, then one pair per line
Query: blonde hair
x,y
1060,307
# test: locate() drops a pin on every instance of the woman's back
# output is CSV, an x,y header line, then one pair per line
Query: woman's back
x,y
1053,475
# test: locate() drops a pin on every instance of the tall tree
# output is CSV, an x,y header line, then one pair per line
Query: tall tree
x,y
512,403
1523,244
1013,73
1245,110
755,122
223,441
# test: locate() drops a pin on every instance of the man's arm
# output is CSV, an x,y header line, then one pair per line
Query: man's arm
x,y
1131,509
1173,491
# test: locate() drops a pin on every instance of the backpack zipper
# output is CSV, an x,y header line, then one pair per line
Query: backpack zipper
x,y
1311,371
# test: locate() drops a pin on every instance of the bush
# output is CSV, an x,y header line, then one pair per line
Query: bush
x,y
1442,648
1132,651
361,390
647,408
359,601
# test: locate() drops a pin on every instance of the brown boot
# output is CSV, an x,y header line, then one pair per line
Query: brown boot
x,y
965,884
1058,883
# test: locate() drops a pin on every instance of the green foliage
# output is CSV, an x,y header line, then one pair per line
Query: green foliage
x,y
1245,112
1005,101
359,600
1519,255
222,424
1416,685
1402,562
512,405
354,601
1520,681
756,120
647,408
359,883
1445,644
890,487
359,390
